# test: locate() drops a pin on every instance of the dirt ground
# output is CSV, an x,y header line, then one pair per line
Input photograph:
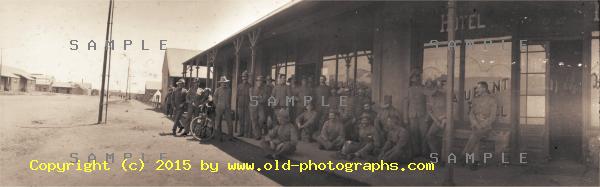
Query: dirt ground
x,y
49,128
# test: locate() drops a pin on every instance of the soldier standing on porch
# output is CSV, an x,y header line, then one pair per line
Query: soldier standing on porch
x,y
243,99
258,106
179,104
482,116
269,113
321,100
305,96
222,97
414,115
279,95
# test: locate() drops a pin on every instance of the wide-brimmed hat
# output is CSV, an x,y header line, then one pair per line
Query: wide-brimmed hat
x,y
223,79
181,81
245,74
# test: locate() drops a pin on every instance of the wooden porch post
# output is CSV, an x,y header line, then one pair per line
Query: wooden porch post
x,y
237,44
253,38
449,130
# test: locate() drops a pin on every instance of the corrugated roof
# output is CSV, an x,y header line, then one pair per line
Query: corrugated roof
x,y
153,85
176,57
8,71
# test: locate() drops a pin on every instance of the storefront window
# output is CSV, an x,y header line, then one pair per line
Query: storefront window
x,y
348,69
486,60
533,84
595,79
287,68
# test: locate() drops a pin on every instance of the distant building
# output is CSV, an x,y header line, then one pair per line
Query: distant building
x,y
172,71
150,89
43,83
72,88
15,80
62,87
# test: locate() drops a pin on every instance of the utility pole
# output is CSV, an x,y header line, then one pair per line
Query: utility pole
x,y
127,93
104,64
109,62
449,130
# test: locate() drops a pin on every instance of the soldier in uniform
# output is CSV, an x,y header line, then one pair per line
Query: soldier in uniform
x,y
279,95
172,104
307,122
305,96
222,97
191,108
167,105
394,148
369,140
282,139
482,116
414,107
243,100
179,103
386,111
269,112
295,105
333,134
322,97
436,110
258,106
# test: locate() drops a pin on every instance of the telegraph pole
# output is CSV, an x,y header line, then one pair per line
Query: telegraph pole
x,y
109,62
127,93
104,64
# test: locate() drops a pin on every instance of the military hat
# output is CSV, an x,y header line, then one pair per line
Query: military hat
x,y
260,78
443,77
181,81
244,74
283,113
223,79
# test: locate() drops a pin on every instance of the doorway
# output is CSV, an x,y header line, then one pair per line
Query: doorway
x,y
565,99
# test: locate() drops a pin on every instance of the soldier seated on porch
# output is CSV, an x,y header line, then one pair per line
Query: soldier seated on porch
x,y
307,122
368,141
332,135
395,148
282,139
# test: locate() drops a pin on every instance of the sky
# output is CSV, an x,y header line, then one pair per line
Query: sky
x,y
35,35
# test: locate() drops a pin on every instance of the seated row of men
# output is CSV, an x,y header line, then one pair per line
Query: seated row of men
x,y
352,126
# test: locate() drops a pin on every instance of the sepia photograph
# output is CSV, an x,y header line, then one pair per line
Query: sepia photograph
x,y
299,93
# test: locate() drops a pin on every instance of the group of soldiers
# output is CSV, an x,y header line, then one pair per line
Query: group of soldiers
x,y
337,119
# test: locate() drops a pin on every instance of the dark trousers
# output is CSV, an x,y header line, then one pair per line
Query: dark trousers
x,y
243,126
226,112
177,124
258,118
418,132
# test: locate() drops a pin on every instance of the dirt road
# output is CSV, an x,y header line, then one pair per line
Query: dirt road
x,y
51,128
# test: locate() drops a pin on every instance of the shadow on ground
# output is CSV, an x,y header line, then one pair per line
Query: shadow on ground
x,y
245,152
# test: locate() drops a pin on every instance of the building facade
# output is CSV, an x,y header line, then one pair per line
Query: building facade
x,y
541,60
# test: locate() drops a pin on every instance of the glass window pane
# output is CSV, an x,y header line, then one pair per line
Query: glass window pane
x,y
523,106
536,62
536,121
536,84
523,84
536,106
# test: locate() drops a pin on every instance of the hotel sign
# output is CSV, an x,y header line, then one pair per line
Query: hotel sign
x,y
463,22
